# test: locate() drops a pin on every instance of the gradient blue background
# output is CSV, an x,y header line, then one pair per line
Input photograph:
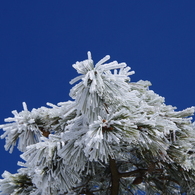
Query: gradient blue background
x,y
40,40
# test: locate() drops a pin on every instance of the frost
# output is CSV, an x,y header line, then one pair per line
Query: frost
x,y
68,148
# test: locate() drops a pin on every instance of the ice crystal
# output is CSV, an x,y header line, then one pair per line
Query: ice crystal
x,y
69,147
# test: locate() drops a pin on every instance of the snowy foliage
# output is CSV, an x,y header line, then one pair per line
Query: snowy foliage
x,y
113,128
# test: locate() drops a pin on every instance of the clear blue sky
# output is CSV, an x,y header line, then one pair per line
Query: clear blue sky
x,y
40,40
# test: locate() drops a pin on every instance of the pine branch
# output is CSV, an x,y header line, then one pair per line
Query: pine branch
x,y
67,147
133,173
115,178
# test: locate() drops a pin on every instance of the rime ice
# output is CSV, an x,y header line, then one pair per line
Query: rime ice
x,y
68,147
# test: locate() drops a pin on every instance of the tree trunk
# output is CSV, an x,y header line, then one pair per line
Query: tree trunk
x,y
114,177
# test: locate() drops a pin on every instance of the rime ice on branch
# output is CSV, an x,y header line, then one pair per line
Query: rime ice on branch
x,y
115,137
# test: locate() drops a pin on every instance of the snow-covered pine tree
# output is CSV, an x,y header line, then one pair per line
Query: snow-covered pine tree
x,y
115,137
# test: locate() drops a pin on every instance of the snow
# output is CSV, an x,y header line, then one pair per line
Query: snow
x,y
110,117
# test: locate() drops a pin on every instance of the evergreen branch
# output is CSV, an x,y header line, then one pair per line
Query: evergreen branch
x,y
133,173
114,177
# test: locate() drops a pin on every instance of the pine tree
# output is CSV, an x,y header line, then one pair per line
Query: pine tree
x,y
115,137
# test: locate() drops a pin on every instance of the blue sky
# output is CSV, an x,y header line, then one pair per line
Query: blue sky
x,y
40,40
